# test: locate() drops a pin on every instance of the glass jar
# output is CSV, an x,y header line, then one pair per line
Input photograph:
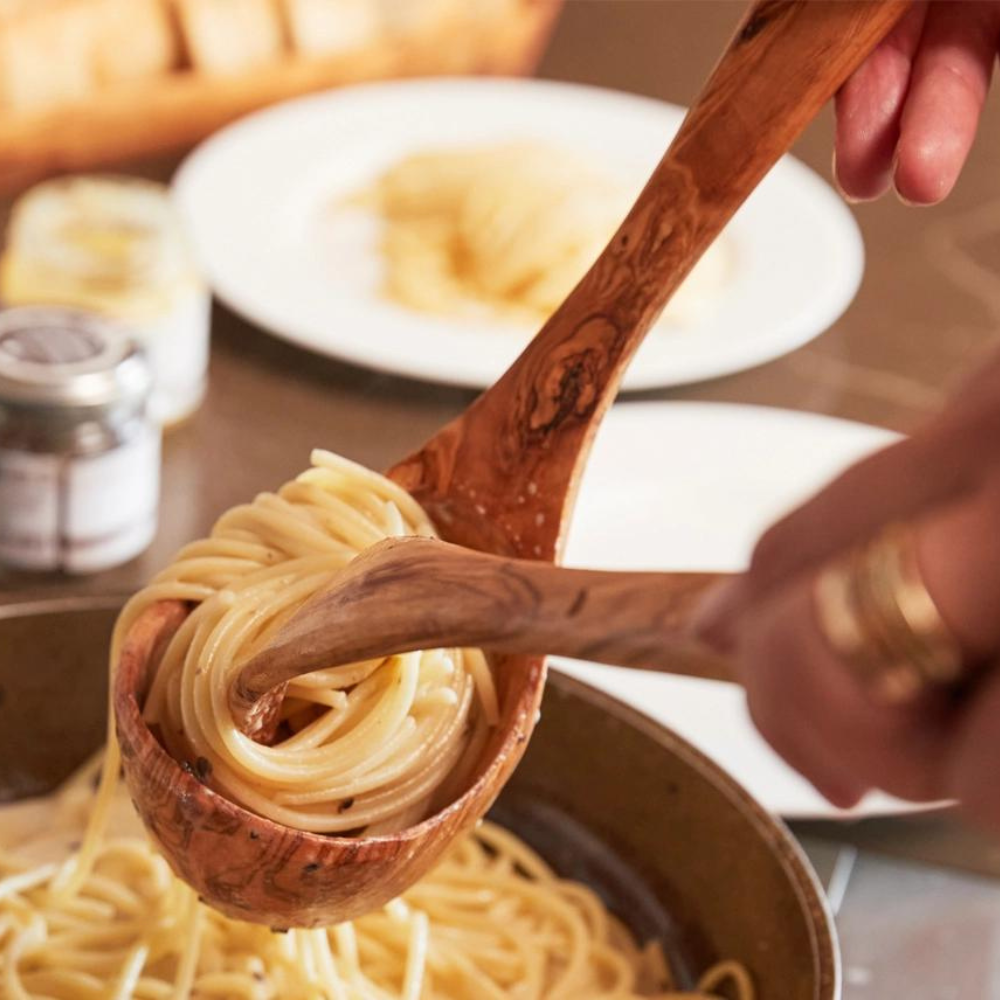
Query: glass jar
x,y
79,455
113,245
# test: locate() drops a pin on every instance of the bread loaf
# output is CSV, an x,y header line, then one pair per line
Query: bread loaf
x,y
46,53
414,16
317,27
133,39
228,36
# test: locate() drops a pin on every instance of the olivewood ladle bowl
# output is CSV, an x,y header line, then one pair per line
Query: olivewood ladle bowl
x,y
502,477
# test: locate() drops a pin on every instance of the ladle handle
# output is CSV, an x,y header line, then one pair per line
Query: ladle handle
x,y
528,436
418,593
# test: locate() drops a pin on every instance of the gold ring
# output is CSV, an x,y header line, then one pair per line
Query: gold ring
x,y
875,612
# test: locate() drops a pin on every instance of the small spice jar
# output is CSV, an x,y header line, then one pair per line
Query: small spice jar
x,y
79,455
113,245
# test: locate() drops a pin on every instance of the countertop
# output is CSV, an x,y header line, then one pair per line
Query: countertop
x,y
928,311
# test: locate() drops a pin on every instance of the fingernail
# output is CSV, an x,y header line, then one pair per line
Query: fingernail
x,y
849,198
713,623
836,177
911,204
840,795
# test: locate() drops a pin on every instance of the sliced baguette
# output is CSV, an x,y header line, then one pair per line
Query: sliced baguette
x,y
405,17
229,36
46,53
317,27
134,39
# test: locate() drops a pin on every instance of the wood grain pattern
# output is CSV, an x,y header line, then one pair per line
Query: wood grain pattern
x,y
247,867
515,457
418,593
503,476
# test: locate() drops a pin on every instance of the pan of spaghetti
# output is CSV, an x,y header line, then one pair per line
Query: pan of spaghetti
x,y
617,863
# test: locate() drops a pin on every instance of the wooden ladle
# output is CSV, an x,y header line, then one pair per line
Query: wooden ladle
x,y
503,476
418,593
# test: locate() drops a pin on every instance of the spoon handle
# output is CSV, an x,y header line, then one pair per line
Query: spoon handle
x,y
419,593
517,453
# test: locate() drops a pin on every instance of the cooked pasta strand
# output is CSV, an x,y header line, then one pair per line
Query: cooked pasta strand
x,y
375,744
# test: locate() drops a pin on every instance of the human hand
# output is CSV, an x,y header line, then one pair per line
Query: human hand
x,y
812,705
908,115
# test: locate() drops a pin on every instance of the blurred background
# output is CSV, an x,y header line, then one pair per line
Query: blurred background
x,y
926,309
925,312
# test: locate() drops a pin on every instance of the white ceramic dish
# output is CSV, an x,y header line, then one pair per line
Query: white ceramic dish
x,y
690,486
263,202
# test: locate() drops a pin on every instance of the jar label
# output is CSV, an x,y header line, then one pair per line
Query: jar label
x,y
81,514
29,509
111,502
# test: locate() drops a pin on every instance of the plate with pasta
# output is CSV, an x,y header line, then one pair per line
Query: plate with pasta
x,y
427,228
690,486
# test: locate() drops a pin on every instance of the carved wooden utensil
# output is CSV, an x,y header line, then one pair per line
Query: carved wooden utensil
x,y
503,476
419,593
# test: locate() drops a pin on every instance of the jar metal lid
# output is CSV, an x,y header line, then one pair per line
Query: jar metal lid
x,y
57,358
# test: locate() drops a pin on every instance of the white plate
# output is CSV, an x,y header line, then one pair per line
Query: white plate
x,y
691,486
260,199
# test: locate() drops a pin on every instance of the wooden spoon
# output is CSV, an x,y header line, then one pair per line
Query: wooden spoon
x,y
419,593
503,476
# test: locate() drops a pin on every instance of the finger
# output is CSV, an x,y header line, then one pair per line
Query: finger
x,y
971,775
869,109
810,704
895,484
959,556
949,83
814,711
948,459
798,746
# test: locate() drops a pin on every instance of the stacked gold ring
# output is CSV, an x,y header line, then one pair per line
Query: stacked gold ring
x,y
876,613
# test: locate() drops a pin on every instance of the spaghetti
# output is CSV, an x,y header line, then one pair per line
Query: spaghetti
x,y
89,910
368,747
491,922
509,230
